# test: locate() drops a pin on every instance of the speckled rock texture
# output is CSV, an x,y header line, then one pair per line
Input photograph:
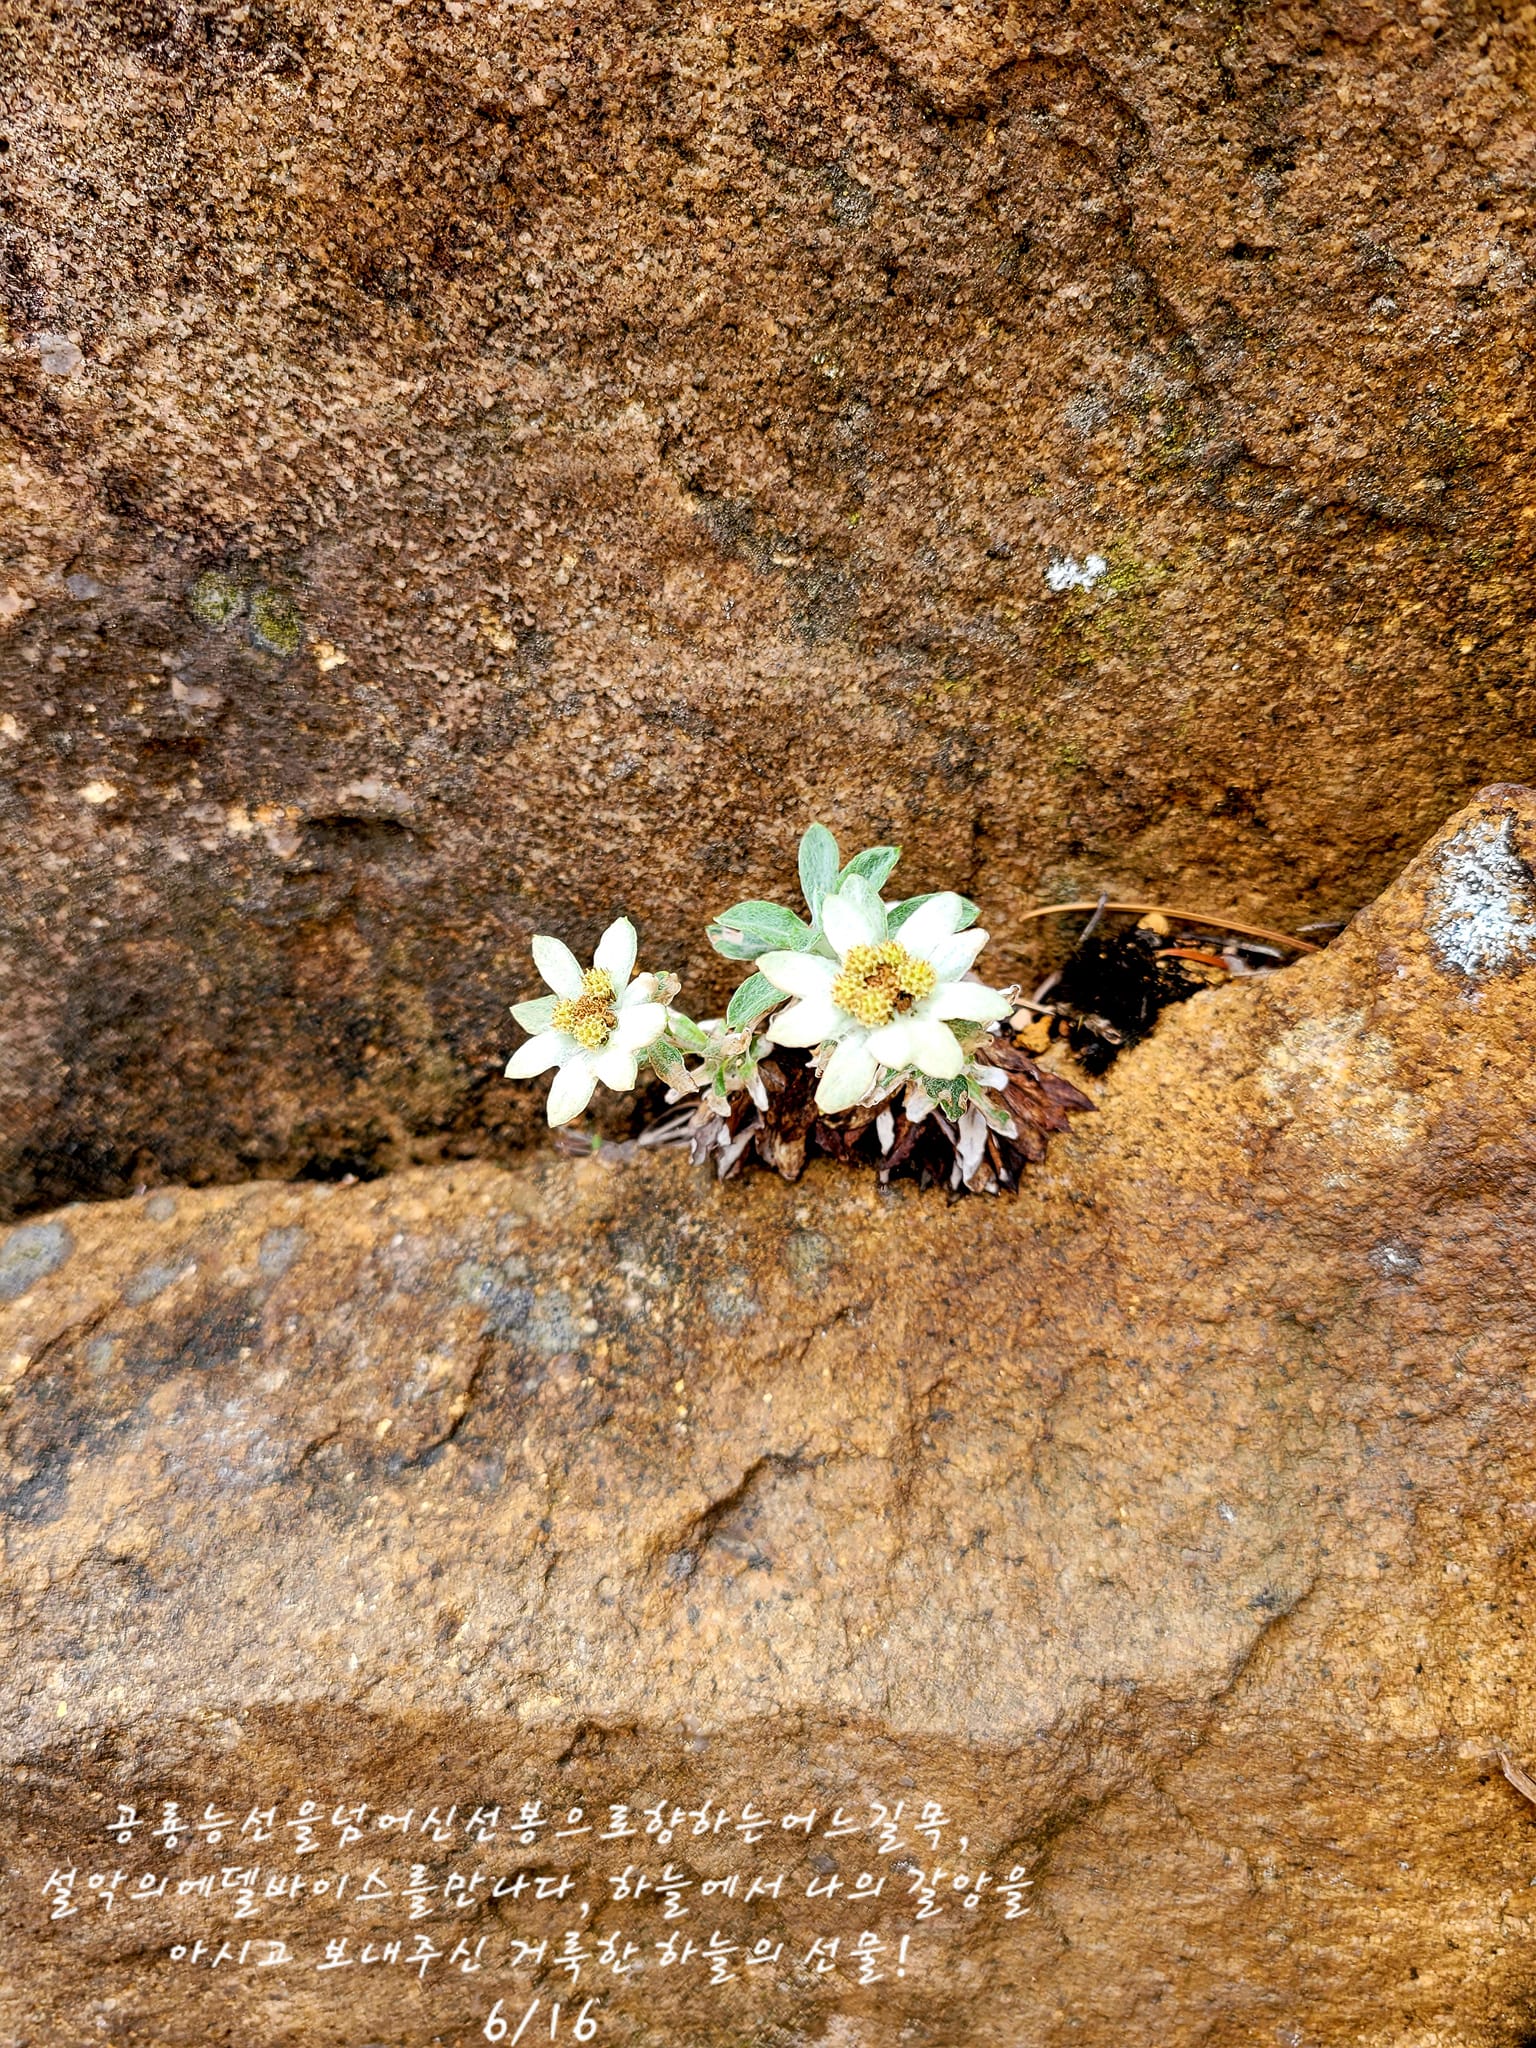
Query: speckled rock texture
x,y
470,468
1171,1524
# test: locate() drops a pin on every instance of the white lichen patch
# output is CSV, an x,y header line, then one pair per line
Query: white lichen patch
x,y
1340,1076
1068,573
1395,1261
1482,902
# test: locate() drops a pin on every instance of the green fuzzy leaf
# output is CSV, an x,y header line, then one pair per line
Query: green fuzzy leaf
x,y
667,1062
818,865
969,911
874,864
536,1015
952,1100
685,1033
748,929
755,998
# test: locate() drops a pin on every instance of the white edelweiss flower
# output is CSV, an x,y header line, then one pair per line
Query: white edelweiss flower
x,y
884,1001
595,1024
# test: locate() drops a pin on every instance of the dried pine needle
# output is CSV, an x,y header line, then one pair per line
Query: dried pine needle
x,y
1220,924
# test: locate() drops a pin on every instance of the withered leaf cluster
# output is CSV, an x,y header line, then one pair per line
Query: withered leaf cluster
x,y
934,1150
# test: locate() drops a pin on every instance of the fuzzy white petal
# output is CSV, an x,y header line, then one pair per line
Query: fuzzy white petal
x,y
952,957
616,952
638,1026
640,990
547,1049
935,1048
558,965
535,1014
967,999
892,1044
850,1075
849,922
807,1022
798,974
615,1068
571,1089
931,923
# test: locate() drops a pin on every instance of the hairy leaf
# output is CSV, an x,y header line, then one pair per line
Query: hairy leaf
x,y
874,864
755,998
692,1037
818,865
748,929
667,1062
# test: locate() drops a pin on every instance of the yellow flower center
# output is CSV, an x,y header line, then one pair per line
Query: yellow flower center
x,y
879,982
589,1017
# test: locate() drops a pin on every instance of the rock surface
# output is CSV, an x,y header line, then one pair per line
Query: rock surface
x,y
1170,1525
468,468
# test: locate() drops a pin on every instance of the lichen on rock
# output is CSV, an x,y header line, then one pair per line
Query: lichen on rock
x,y
1485,901
217,597
277,624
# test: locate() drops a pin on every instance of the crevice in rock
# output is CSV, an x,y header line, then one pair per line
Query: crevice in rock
x,y
680,1554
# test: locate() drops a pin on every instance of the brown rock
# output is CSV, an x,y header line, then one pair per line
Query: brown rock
x,y
1169,1525
469,469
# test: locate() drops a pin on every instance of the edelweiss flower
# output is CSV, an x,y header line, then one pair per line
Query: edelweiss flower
x,y
594,1025
885,1001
